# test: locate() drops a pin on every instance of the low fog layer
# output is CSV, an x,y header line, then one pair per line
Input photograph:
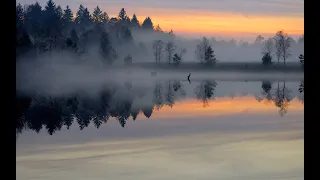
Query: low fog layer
x,y
64,75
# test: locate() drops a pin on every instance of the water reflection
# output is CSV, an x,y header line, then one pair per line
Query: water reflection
x,y
122,102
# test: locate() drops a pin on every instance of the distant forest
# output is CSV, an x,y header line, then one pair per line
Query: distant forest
x,y
40,30
50,29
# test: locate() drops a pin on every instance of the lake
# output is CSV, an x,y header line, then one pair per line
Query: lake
x,y
164,129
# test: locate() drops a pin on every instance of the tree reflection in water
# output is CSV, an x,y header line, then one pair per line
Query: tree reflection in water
x,y
53,113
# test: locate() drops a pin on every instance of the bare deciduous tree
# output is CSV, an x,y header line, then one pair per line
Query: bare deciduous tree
x,y
283,44
157,47
170,48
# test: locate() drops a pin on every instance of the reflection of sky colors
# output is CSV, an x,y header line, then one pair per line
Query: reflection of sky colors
x,y
222,106
271,155
232,18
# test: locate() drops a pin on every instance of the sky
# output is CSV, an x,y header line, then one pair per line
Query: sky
x,y
240,19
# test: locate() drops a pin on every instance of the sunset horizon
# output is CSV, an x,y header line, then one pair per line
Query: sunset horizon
x,y
210,19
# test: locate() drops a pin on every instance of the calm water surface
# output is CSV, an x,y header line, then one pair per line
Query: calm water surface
x,y
164,130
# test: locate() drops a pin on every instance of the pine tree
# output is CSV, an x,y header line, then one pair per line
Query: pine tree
x,y
122,15
134,22
107,51
67,18
97,15
79,14
147,23
266,59
209,56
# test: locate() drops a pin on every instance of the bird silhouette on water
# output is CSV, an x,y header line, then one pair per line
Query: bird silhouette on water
x,y
189,78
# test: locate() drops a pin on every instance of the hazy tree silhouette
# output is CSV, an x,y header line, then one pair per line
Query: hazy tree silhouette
x,y
97,16
147,24
157,48
176,59
170,48
205,91
67,20
157,95
122,16
266,91
107,51
135,22
204,52
259,39
169,94
267,59
282,98
283,43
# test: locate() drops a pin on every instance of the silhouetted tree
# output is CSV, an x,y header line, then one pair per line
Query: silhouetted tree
x,y
282,98
158,48
266,87
67,19
107,51
157,93
176,59
122,15
266,59
105,18
170,48
209,56
147,23
283,43
83,18
97,16
127,36
205,91
204,52
134,21
169,96
268,47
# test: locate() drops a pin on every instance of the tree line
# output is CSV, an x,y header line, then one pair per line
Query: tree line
x,y
43,30
52,28
279,46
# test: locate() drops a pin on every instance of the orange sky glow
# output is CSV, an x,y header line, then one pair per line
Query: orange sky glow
x,y
220,23
220,106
